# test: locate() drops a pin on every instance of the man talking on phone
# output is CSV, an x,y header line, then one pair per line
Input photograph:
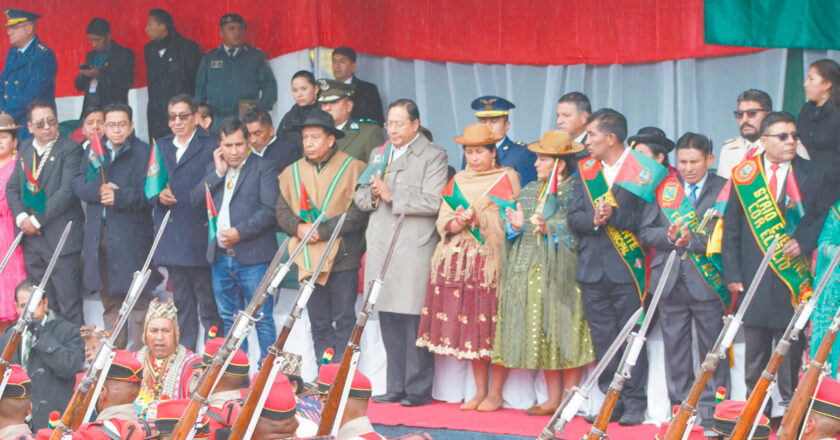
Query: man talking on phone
x,y
108,71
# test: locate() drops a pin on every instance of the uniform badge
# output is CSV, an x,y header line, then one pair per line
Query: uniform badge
x,y
216,64
669,192
354,126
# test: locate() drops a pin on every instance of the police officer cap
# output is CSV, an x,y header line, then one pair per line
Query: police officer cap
x,y
332,90
232,18
17,16
490,106
320,118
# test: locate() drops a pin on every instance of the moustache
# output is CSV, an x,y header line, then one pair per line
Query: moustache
x,y
747,124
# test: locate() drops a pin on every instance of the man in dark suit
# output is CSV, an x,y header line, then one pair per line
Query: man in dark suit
x,y
171,66
266,145
243,191
573,110
51,351
771,310
690,298
360,137
368,104
53,161
108,68
118,224
610,293
186,153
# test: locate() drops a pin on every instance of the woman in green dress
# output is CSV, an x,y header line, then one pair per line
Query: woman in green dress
x,y
828,303
540,322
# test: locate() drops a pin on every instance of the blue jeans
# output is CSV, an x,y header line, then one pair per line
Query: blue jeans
x,y
234,285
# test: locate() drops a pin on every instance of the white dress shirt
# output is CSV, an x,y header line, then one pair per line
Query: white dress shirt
x,y
687,186
781,173
262,153
611,171
181,149
40,151
223,221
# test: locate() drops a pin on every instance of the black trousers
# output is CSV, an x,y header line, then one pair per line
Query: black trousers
x,y
608,306
411,369
677,312
332,313
759,345
112,303
62,289
192,291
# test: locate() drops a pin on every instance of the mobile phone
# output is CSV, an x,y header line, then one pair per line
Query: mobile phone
x,y
84,66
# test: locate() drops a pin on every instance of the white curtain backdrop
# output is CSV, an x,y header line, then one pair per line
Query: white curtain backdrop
x,y
677,96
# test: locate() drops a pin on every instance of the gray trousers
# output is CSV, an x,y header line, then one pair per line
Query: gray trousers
x,y
760,343
410,368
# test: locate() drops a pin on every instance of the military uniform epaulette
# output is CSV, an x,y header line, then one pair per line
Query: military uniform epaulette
x,y
730,140
354,126
368,121
521,144
42,47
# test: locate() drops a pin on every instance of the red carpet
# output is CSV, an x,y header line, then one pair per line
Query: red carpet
x,y
505,421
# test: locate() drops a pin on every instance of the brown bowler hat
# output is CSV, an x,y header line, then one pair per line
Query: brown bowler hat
x,y
7,123
556,143
478,134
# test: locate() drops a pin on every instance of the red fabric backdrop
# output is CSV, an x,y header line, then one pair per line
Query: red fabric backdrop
x,y
478,31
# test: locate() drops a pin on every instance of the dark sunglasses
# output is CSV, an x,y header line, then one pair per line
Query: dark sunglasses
x,y
182,116
750,113
784,136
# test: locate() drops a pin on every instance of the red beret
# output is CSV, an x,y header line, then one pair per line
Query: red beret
x,y
728,410
827,398
280,403
169,412
359,389
238,366
695,434
125,367
19,386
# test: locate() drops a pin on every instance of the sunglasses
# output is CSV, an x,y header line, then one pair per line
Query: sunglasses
x,y
182,116
750,113
45,123
784,136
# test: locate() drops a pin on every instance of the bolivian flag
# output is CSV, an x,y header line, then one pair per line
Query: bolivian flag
x,y
156,177
32,196
211,214
453,197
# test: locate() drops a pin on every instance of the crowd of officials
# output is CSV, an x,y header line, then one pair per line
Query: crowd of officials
x,y
533,256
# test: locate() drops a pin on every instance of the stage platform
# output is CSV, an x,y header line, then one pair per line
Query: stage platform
x,y
445,421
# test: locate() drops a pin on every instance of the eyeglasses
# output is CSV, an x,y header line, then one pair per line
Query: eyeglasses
x,y
784,136
121,124
45,123
183,117
750,113
395,124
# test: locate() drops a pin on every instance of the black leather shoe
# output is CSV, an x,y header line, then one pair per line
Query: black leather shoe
x,y
632,417
389,397
415,401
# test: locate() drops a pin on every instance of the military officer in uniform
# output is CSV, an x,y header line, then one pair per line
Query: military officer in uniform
x,y
235,78
495,112
354,424
30,69
360,137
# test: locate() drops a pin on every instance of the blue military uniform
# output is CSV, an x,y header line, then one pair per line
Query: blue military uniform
x,y
27,75
510,153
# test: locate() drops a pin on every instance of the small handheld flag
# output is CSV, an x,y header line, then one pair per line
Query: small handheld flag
x,y
501,193
32,196
96,155
453,197
156,176
211,214
640,175
547,201
308,211
378,163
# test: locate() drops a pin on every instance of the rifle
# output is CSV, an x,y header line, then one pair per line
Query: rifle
x,y
245,319
35,295
799,403
745,421
707,217
84,397
688,409
244,425
575,397
635,342
333,408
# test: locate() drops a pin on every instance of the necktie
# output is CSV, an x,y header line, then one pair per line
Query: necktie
x,y
231,51
773,181
692,196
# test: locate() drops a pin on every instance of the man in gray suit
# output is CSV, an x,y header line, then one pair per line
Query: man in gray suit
x,y
690,297
416,174
53,161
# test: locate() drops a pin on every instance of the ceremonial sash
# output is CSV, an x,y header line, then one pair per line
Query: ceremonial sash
x,y
671,198
327,197
766,222
625,242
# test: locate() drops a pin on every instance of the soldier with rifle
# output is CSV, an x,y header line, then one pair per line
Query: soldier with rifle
x,y
115,405
353,424
823,423
227,387
725,414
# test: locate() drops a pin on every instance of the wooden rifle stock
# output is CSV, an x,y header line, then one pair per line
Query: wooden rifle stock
x,y
330,409
599,428
802,397
679,424
9,352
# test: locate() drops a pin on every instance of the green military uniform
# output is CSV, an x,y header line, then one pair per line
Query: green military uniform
x,y
228,82
360,137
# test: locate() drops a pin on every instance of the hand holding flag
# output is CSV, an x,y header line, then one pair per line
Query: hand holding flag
x,y
640,175
211,214
156,177
96,155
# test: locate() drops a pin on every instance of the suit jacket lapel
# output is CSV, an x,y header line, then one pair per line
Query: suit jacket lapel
x,y
243,174
192,150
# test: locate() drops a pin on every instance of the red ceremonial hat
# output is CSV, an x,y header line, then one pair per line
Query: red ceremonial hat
x,y
44,433
360,388
169,412
125,367
728,410
280,403
827,399
695,434
238,366
19,386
